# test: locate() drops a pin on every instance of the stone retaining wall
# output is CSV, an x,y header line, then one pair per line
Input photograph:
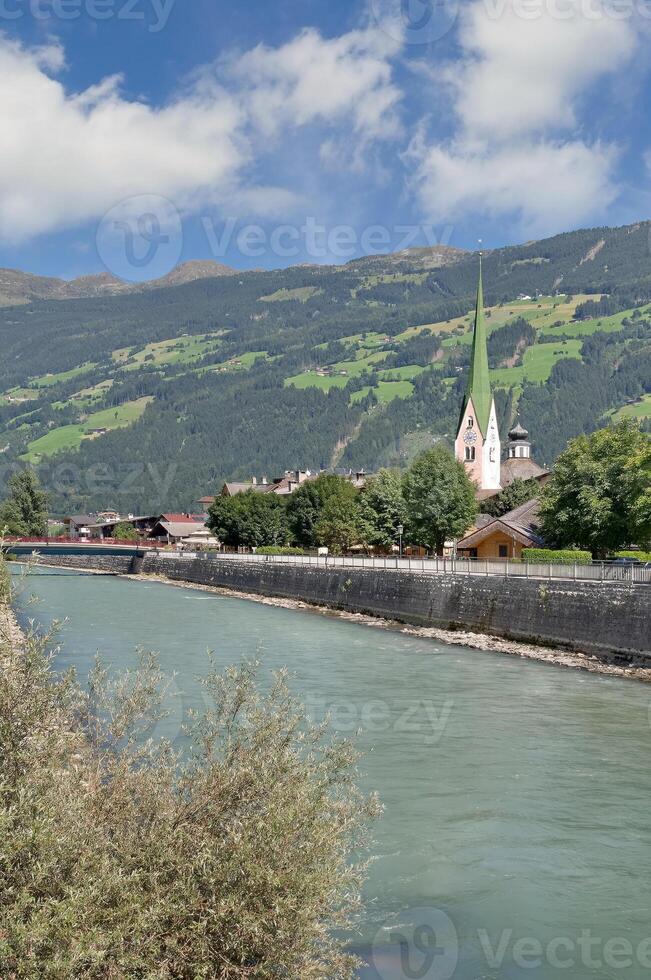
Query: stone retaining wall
x,y
117,564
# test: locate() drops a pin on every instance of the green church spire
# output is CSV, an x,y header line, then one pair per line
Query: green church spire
x,y
479,388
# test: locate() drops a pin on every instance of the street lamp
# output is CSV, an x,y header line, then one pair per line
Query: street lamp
x,y
401,531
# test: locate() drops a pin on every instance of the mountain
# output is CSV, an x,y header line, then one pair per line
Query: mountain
x,y
148,397
22,287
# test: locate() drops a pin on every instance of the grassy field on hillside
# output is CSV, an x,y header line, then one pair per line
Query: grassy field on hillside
x,y
639,410
71,436
537,363
177,350
301,293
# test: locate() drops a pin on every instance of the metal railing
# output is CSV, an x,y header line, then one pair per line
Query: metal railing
x,y
504,568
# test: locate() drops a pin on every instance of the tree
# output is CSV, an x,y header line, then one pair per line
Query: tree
x,y
251,520
439,497
517,493
383,506
306,505
342,524
125,532
119,860
25,512
599,497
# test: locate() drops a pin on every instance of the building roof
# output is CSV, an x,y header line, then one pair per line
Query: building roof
x,y
479,389
521,469
522,524
181,529
207,500
518,433
182,519
232,489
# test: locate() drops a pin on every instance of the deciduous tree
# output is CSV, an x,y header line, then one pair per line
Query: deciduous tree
x,y
599,497
384,509
440,499
306,506
25,511
517,493
249,520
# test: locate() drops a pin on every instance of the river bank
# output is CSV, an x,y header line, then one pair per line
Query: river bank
x,y
634,670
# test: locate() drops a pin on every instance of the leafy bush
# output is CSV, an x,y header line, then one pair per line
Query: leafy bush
x,y
549,556
119,860
5,582
640,555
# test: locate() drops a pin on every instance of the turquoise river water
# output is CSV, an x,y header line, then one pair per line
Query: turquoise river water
x,y
516,838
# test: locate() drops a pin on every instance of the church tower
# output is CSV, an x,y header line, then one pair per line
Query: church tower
x,y
478,440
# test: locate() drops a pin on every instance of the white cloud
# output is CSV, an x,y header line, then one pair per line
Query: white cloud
x,y
519,75
515,92
548,185
69,157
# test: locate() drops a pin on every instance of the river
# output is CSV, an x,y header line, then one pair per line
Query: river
x,y
516,839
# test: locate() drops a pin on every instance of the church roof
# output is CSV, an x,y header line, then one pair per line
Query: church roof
x,y
479,388
518,433
521,469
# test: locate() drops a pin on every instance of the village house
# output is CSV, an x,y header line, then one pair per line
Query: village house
x,y
503,537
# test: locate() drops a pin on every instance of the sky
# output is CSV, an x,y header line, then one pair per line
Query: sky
x,y
135,134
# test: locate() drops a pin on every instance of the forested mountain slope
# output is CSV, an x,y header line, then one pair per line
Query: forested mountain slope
x,y
151,398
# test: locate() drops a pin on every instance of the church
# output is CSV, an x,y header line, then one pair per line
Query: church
x,y
478,445
479,448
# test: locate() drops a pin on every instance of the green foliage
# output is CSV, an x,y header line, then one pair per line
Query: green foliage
x,y
439,497
510,341
548,556
517,493
640,555
306,506
251,520
384,509
5,583
125,532
25,512
342,525
120,860
600,495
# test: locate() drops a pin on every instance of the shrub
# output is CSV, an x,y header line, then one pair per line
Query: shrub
x,y
640,555
551,557
119,860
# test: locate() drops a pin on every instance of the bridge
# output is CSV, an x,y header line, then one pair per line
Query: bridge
x,y
72,546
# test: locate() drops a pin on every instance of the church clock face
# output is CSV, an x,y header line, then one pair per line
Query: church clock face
x,y
470,438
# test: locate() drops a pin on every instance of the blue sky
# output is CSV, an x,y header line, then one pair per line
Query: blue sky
x,y
137,133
